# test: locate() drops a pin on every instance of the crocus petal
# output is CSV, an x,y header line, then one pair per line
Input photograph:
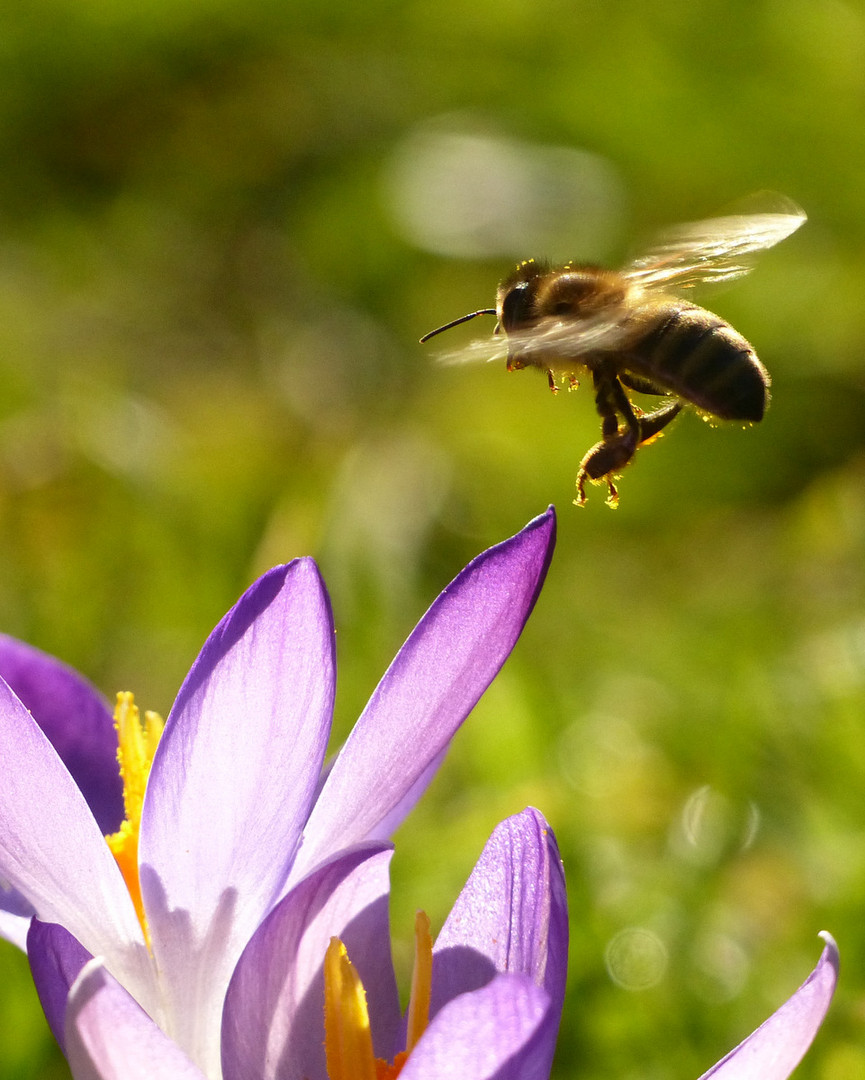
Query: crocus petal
x,y
110,1037
774,1050
489,1033
56,960
52,852
231,785
273,1023
511,916
434,682
76,719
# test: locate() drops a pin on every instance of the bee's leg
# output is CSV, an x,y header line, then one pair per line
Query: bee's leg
x,y
652,424
611,402
613,454
618,445
551,379
625,409
602,462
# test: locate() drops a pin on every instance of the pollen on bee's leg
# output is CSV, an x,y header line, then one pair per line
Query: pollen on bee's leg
x,y
581,489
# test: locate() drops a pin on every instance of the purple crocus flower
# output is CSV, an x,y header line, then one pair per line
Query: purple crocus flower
x,y
238,811
498,971
491,988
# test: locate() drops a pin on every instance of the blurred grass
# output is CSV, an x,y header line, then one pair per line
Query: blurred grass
x,y
209,307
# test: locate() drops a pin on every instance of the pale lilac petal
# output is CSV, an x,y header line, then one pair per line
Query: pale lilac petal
x,y
273,1023
489,1034
51,849
774,1050
231,785
76,719
56,959
438,676
511,916
110,1037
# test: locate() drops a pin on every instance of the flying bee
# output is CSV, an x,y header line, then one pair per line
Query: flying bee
x,y
630,332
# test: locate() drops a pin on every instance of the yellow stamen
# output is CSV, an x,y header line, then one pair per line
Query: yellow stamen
x,y
136,745
347,1039
421,982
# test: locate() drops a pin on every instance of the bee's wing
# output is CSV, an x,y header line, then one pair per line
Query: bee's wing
x,y
554,337
494,347
714,250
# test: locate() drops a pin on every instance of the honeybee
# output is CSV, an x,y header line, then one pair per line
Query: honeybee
x,y
631,333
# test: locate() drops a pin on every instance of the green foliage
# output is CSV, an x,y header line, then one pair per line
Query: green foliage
x,y
209,306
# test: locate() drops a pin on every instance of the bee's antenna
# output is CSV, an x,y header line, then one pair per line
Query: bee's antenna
x,y
456,322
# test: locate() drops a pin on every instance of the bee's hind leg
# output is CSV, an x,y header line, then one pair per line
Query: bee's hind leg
x,y
652,424
602,462
619,445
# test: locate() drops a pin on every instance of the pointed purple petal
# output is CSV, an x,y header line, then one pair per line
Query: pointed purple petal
x,y
231,785
110,1037
439,674
489,1034
273,1023
51,849
511,916
76,719
774,1050
56,959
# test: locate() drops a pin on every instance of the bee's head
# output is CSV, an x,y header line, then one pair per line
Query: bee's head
x,y
516,296
516,307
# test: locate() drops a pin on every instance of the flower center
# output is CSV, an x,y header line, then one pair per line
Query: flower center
x,y
347,1039
136,745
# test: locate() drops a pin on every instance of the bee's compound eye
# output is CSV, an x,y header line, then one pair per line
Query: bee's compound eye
x,y
517,306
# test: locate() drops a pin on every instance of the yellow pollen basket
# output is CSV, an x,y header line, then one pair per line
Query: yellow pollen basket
x,y
348,1040
136,745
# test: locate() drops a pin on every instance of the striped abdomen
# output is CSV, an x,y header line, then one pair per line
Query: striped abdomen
x,y
699,357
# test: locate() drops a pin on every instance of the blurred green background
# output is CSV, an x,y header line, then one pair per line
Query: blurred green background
x,y
223,227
